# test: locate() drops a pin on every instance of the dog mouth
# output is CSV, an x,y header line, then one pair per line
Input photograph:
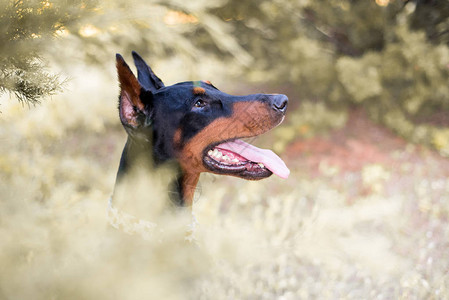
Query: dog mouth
x,y
241,159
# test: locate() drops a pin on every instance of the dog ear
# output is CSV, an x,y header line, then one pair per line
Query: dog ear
x,y
134,112
146,77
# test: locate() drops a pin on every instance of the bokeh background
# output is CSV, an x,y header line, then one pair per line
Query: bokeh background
x,y
364,214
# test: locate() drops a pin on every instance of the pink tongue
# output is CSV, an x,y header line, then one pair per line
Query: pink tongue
x,y
271,161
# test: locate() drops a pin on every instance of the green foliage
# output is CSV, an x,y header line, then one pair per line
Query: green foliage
x,y
352,27
25,28
432,16
360,76
362,53
27,79
157,29
410,83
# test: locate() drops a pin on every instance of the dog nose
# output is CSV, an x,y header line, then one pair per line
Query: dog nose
x,y
279,103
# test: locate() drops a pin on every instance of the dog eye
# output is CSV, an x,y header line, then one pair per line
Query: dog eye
x,y
200,103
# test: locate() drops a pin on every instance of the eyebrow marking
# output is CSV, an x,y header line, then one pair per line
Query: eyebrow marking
x,y
199,90
207,82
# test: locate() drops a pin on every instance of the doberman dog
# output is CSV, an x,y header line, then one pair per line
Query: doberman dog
x,y
196,126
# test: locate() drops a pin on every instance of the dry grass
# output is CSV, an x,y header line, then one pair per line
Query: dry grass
x,y
304,238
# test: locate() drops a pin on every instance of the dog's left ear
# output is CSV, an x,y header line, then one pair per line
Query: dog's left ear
x,y
135,104
146,76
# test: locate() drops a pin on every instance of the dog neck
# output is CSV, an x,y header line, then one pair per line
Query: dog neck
x,y
144,181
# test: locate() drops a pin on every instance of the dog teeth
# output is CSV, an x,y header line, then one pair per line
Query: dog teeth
x,y
215,153
218,155
261,165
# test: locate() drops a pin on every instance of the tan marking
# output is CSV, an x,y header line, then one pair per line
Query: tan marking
x,y
207,82
198,90
189,182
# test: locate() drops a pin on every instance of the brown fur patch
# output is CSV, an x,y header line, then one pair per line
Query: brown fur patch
x,y
199,90
207,82
189,182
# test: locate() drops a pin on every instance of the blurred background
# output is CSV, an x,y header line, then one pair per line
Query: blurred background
x,y
364,214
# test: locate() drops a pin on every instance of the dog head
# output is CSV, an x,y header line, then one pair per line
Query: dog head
x,y
198,125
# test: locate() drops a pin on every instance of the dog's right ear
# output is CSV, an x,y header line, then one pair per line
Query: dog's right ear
x,y
134,108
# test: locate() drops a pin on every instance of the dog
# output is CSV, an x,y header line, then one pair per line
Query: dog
x,y
195,127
